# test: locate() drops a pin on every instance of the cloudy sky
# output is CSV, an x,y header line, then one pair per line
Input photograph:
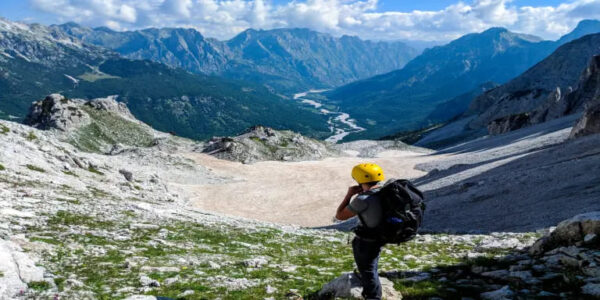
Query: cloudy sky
x,y
440,20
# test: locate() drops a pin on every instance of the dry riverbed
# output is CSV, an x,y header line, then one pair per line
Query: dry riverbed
x,y
300,193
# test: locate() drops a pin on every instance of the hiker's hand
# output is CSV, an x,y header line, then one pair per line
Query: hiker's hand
x,y
353,190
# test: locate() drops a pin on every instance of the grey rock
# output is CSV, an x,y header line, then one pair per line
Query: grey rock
x,y
522,275
260,143
140,297
255,262
589,122
498,274
509,123
590,238
127,174
147,281
504,293
568,232
186,293
591,289
348,286
56,112
544,294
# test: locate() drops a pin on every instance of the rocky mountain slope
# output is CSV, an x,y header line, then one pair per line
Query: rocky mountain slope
x,y
286,59
562,84
76,224
262,143
172,100
402,100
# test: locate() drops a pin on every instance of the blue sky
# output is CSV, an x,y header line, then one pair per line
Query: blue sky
x,y
440,20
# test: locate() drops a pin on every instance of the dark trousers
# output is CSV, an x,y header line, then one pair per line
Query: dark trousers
x,y
366,256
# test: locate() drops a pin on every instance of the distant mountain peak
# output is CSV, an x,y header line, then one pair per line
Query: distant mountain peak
x,y
584,27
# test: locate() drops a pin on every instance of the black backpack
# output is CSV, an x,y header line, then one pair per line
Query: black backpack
x,y
403,207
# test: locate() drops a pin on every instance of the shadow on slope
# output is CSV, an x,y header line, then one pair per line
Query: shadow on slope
x,y
530,192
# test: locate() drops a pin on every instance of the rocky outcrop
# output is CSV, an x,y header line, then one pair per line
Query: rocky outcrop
x,y
99,125
588,124
348,286
542,90
263,143
509,123
579,230
57,112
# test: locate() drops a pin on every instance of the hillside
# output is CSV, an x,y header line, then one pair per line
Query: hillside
x,y
401,100
560,85
171,100
130,224
289,60
404,99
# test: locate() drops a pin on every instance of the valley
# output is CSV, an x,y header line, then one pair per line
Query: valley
x,y
340,123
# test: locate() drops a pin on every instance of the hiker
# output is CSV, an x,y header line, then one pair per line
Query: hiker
x,y
367,205
390,213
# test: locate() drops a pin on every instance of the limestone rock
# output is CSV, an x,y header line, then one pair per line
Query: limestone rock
x,y
501,294
260,143
56,112
568,232
589,123
591,289
127,174
348,286
508,123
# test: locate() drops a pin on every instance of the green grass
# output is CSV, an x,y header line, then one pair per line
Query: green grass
x,y
107,128
92,77
35,168
31,136
2,168
422,290
39,285
66,218
94,170
45,240
4,129
70,173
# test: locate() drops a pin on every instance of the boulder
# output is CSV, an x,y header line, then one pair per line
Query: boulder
x,y
349,286
56,112
591,289
509,123
569,232
501,294
589,123
111,104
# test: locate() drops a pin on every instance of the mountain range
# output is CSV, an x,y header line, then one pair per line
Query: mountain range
x,y
561,84
289,60
405,99
36,60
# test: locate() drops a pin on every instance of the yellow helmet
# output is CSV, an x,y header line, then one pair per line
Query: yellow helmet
x,y
367,172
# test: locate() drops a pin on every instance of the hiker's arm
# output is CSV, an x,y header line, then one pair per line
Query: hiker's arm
x,y
343,213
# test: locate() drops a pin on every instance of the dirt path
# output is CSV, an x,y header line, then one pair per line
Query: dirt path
x,y
300,193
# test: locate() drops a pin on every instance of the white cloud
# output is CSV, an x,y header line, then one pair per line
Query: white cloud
x,y
225,18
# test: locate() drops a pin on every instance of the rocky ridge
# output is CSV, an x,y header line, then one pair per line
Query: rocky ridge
x,y
287,59
561,84
589,123
261,143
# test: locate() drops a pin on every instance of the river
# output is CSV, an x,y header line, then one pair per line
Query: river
x,y
340,123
